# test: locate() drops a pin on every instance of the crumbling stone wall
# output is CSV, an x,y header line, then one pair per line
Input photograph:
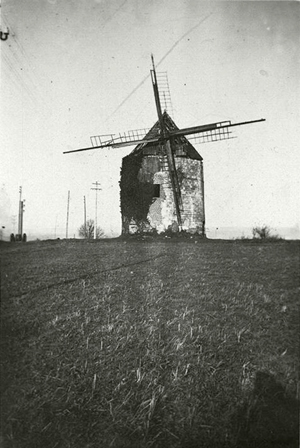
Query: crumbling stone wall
x,y
143,212
137,191
162,213
192,193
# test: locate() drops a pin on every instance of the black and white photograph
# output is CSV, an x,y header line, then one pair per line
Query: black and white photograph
x,y
149,223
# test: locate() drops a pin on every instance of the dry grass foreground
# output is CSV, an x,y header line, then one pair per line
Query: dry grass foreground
x,y
136,343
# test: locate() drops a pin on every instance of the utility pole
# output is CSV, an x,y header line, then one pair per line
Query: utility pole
x,y
20,224
68,207
19,236
84,207
96,189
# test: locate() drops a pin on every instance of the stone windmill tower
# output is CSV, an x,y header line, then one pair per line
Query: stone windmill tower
x,y
160,189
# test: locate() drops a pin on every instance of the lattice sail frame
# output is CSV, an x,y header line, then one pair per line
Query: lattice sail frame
x,y
164,92
221,132
129,136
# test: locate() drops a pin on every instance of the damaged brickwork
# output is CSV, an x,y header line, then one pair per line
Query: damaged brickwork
x,y
147,198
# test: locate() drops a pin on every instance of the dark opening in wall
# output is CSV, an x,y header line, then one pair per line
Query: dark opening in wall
x,y
156,190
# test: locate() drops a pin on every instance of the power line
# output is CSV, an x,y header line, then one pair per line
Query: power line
x,y
16,56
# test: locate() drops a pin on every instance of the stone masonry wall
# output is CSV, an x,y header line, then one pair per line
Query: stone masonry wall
x,y
162,213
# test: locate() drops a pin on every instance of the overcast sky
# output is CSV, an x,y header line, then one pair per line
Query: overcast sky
x,y
71,69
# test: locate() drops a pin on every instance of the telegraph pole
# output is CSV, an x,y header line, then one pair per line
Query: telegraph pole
x,y
20,213
96,189
20,236
84,207
68,207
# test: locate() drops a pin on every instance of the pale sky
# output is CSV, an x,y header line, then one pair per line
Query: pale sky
x,y
75,68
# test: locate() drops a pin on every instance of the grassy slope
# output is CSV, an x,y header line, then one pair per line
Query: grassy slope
x,y
137,344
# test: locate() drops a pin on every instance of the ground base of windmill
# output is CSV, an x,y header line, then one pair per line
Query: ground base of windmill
x,y
132,229
165,237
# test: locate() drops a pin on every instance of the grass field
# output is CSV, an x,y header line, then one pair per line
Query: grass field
x,y
149,343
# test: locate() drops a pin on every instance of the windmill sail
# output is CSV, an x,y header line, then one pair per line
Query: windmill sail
x,y
210,132
164,92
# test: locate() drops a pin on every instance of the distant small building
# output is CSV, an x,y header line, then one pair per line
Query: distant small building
x,y
147,194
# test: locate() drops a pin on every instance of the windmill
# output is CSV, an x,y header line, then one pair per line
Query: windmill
x,y
156,173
